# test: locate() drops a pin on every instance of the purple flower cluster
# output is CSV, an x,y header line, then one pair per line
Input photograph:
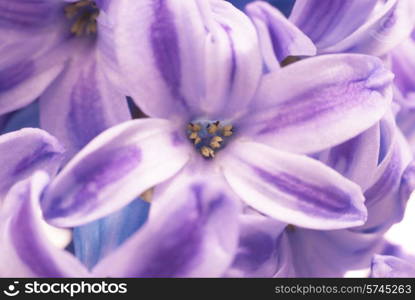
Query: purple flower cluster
x,y
191,138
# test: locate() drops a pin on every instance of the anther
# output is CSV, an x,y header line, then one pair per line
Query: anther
x,y
227,130
208,137
207,152
84,14
215,142
212,128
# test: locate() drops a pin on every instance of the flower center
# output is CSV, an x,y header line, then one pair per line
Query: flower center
x,y
83,15
209,136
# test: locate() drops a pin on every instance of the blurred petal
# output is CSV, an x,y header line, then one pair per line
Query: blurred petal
x,y
32,49
316,253
193,233
114,169
26,251
389,26
385,199
346,95
25,151
192,56
293,188
95,240
279,38
391,267
356,159
256,255
81,103
327,22
403,66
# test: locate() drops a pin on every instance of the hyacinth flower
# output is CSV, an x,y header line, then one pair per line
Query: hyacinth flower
x,y
390,267
219,131
58,51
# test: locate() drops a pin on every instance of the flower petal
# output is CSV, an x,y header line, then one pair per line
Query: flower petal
x,y
192,56
25,151
385,266
81,103
279,38
356,159
293,188
256,255
26,251
317,253
327,22
33,38
346,95
114,169
389,26
193,233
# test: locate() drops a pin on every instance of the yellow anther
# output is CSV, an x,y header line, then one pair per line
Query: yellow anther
x,y
227,128
207,152
215,142
78,27
197,140
84,14
194,127
212,128
193,135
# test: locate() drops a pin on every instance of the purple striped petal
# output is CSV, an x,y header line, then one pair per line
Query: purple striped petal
x,y
25,151
389,26
385,266
293,188
327,22
114,169
26,251
279,38
82,102
192,232
346,95
192,56
256,255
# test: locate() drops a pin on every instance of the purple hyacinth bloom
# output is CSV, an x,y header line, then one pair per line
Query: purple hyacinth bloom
x,y
391,267
58,51
219,131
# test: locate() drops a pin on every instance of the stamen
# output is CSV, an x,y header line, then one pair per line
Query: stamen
x,y
84,14
208,136
207,152
216,141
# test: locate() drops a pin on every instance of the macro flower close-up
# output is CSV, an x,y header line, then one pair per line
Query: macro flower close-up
x,y
206,138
